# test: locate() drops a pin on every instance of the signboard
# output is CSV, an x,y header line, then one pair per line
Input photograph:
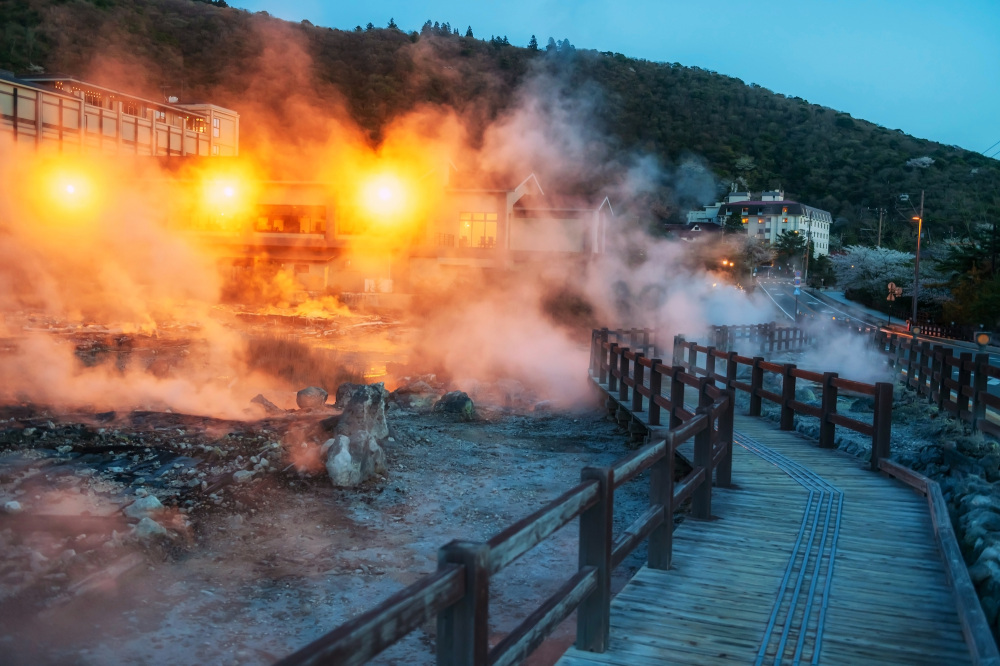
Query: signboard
x,y
894,291
798,279
797,291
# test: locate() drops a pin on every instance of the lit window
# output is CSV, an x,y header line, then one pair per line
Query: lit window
x,y
785,220
160,116
477,230
745,220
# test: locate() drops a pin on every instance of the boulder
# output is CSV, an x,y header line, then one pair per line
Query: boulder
x,y
457,403
344,393
242,476
418,395
149,528
269,407
311,397
12,506
805,395
863,405
144,507
354,453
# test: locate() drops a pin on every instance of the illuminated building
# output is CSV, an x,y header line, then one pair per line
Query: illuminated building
x,y
71,115
766,218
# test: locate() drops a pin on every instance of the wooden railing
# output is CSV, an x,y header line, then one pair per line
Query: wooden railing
x,y
458,594
687,355
956,384
765,337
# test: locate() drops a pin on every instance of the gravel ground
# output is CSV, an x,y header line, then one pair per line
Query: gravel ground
x,y
253,570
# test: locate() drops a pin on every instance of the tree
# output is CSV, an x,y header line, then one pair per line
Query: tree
x,y
468,32
733,224
871,269
392,25
533,44
370,26
551,45
790,248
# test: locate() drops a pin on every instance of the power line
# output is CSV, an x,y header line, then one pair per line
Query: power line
x,y
991,147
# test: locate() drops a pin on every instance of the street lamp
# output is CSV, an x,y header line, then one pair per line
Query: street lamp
x,y
916,261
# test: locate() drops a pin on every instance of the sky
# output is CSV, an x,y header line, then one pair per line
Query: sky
x,y
928,67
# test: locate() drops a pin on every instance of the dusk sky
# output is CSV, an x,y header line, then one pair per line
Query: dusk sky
x,y
928,67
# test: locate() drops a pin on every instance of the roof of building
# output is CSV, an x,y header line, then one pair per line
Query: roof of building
x,y
50,82
768,208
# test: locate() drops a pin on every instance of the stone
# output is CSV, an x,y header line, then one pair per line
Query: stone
x,y
269,407
805,395
354,453
344,393
242,476
457,403
143,507
863,405
311,397
12,507
418,395
149,528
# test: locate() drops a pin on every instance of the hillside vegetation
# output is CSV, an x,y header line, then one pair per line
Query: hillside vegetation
x,y
677,114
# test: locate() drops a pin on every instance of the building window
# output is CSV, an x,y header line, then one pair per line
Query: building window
x,y
785,220
215,150
282,219
215,127
746,220
784,209
446,240
196,124
160,116
477,230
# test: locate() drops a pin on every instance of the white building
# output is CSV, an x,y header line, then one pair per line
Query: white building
x,y
765,219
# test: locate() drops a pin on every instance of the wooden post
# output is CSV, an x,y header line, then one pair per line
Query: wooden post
x,y
964,379
692,363
922,387
701,499
623,374
639,378
678,354
731,369
593,353
771,328
756,384
646,351
787,396
911,363
944,375
612,367
603,368
882,423
676,395
827,429
710,363
463,627
980,384
897,347
655,389
594,613
661,492
724,472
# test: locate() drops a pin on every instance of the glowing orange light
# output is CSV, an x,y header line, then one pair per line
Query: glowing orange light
x,y
229,191
70,189
384,197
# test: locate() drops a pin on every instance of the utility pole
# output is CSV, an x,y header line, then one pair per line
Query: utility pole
x,y
805,270
880,211
916,262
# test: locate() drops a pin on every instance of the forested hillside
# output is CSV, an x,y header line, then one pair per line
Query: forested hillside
x,y
677,114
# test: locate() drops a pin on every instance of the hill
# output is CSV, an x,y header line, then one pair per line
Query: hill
x,y
693,123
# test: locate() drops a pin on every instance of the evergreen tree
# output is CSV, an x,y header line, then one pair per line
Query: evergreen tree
x,y
468,32
551,46
392,25
370,26
533,43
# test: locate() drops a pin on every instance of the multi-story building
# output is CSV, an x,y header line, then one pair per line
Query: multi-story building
x,y
766,218
70,115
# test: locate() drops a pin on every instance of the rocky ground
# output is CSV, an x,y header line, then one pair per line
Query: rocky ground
x,y
158,538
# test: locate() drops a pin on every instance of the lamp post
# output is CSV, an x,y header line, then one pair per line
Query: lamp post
x,y
916,261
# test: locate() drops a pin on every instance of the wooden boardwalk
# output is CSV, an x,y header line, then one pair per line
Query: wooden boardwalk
x,y
810,558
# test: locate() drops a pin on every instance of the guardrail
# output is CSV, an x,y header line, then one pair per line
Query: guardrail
x,y
458,593
829,383
956,384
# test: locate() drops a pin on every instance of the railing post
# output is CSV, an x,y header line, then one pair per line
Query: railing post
x,y
692,363
827,429
710,363
922,387
731,369
944,375
676,396
756,384
463,627
881,423
724,472
771,328
639,380
980,385
623,373
594,613
593,352
701,499
678,353
787,396
964,379
661,491
911,362
603,358
646,351
897,347
655,389
612,367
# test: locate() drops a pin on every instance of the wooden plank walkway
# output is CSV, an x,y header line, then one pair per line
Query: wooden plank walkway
x,y
810,558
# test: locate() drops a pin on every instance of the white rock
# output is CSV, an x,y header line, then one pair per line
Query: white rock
x,y
12,507
242,476
143,507
148,528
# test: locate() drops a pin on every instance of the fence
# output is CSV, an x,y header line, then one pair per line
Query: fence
x,y
765,337
687,354
956,384
458,593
